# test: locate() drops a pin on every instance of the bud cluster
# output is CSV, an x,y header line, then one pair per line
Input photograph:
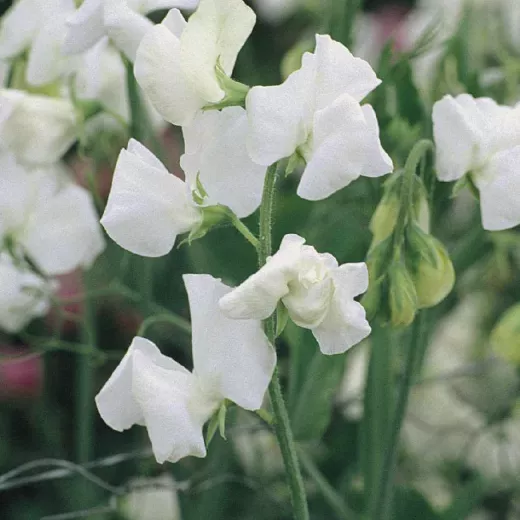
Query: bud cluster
x,y
409,269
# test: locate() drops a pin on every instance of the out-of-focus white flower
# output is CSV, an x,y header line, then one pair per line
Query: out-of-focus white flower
x,y
276,11
487,146
151,499
37,129
352,389
318,294
176,61
316,113
24,295
232,360
215,151
123,21
52,220
148,206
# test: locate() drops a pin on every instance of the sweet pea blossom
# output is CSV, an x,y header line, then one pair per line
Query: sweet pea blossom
x,y
317,292
24,295
232,360
47,217
177,60
216,153
481,138
37,129
148,206
123,21
316,113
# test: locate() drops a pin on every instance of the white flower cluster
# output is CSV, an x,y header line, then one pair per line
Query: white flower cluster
x,y
232,135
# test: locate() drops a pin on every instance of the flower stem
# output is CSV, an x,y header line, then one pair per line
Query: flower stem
x,y
282,426
245,231
384,498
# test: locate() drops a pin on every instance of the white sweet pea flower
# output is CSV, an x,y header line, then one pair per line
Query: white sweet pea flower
x,y
48,218
176,61
37,129
316,113
24,295
123,21
216,152
232,360
148,206
318,294
480,138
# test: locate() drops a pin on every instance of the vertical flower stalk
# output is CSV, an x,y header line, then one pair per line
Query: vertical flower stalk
x,y
281,418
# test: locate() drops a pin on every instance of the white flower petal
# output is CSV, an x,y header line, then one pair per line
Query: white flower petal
x,y
340,149
257,297
158,72
18,27
46,62
378,161
231,357
165,398
85,27
338,72
499,197
147,207
345,325
457,136
37,129
278,116
219,155
216,32
147,6
125,27
115,401
64,234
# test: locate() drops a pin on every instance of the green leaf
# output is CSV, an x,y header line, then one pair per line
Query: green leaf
x,y
312,409
409,503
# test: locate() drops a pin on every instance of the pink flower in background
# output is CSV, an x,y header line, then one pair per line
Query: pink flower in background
x,y
21,376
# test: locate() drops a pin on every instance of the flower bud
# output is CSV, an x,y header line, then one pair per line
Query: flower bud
x,y
430,267
402,297
505,337
385,217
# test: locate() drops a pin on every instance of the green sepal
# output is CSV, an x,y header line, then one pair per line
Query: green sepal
x,y
282,317
217,422
235,93
211,217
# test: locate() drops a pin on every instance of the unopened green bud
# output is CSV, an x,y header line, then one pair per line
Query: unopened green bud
x,y
430,267
402,297
387,212
505,337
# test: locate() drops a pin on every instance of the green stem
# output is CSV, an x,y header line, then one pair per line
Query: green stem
x,y
331,496
245,231
85,386
173,319
384,498
282,425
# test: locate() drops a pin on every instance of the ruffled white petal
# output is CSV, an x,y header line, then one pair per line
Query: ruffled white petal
x,y
378,161
158,72
339,150
85,27
125,27
216,150
147,207
215,33
231,358
257,297
278,116
458,136
63,233
345,325
115,401
165,397
338,72
500,195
